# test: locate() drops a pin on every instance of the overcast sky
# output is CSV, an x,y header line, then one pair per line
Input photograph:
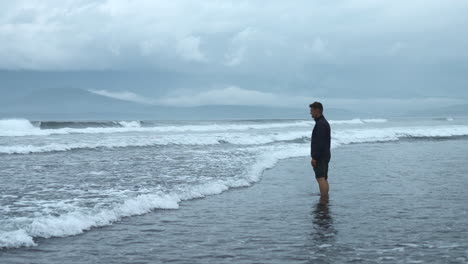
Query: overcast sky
x,y
285,53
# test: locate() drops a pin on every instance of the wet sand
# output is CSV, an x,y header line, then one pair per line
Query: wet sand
x,y
388,204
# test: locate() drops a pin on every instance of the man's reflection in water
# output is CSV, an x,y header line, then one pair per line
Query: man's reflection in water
x,y
323,231
321,245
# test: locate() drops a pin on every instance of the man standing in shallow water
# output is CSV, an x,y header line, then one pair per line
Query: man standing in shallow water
x,y
320,148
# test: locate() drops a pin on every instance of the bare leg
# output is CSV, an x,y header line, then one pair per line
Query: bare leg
x,y
323,186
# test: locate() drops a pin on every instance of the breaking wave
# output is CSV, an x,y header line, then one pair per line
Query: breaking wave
x,y
291,144
24,127
339,136
357,121
81,220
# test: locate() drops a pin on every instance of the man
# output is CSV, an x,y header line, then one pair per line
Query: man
x,y
320,148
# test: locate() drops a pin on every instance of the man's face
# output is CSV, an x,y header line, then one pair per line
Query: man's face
x,y
314,112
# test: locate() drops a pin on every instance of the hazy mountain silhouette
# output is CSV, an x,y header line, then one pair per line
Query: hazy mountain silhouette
x,y
74,103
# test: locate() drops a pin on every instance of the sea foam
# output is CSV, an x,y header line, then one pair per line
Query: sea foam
x,y
24,127
81,220
340,136
119,141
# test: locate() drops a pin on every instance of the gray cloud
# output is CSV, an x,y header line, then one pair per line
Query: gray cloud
x,y
109,34
124,96
356,49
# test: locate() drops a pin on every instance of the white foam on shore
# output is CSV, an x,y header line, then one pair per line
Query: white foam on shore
x,y
15,239
153,140
341,136
79,221
348,136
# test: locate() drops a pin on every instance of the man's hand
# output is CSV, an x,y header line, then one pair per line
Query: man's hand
x,y
313,162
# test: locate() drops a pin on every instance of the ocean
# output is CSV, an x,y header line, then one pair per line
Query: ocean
x,y
62,179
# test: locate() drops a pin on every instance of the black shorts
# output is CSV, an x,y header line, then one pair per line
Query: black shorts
x,y
321,170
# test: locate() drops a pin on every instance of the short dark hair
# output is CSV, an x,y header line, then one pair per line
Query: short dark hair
x,y
317,105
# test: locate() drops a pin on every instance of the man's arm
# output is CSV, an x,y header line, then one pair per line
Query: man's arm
x,y
319,149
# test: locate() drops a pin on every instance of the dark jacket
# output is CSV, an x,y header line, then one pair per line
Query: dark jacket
x,y
320,141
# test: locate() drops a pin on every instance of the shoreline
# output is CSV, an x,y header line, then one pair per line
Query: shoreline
x,y
230,195
373,215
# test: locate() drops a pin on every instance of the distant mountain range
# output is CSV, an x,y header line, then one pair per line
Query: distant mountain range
x,y
80,104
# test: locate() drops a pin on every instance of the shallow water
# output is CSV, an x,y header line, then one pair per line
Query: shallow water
x,y
403,202
396,202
